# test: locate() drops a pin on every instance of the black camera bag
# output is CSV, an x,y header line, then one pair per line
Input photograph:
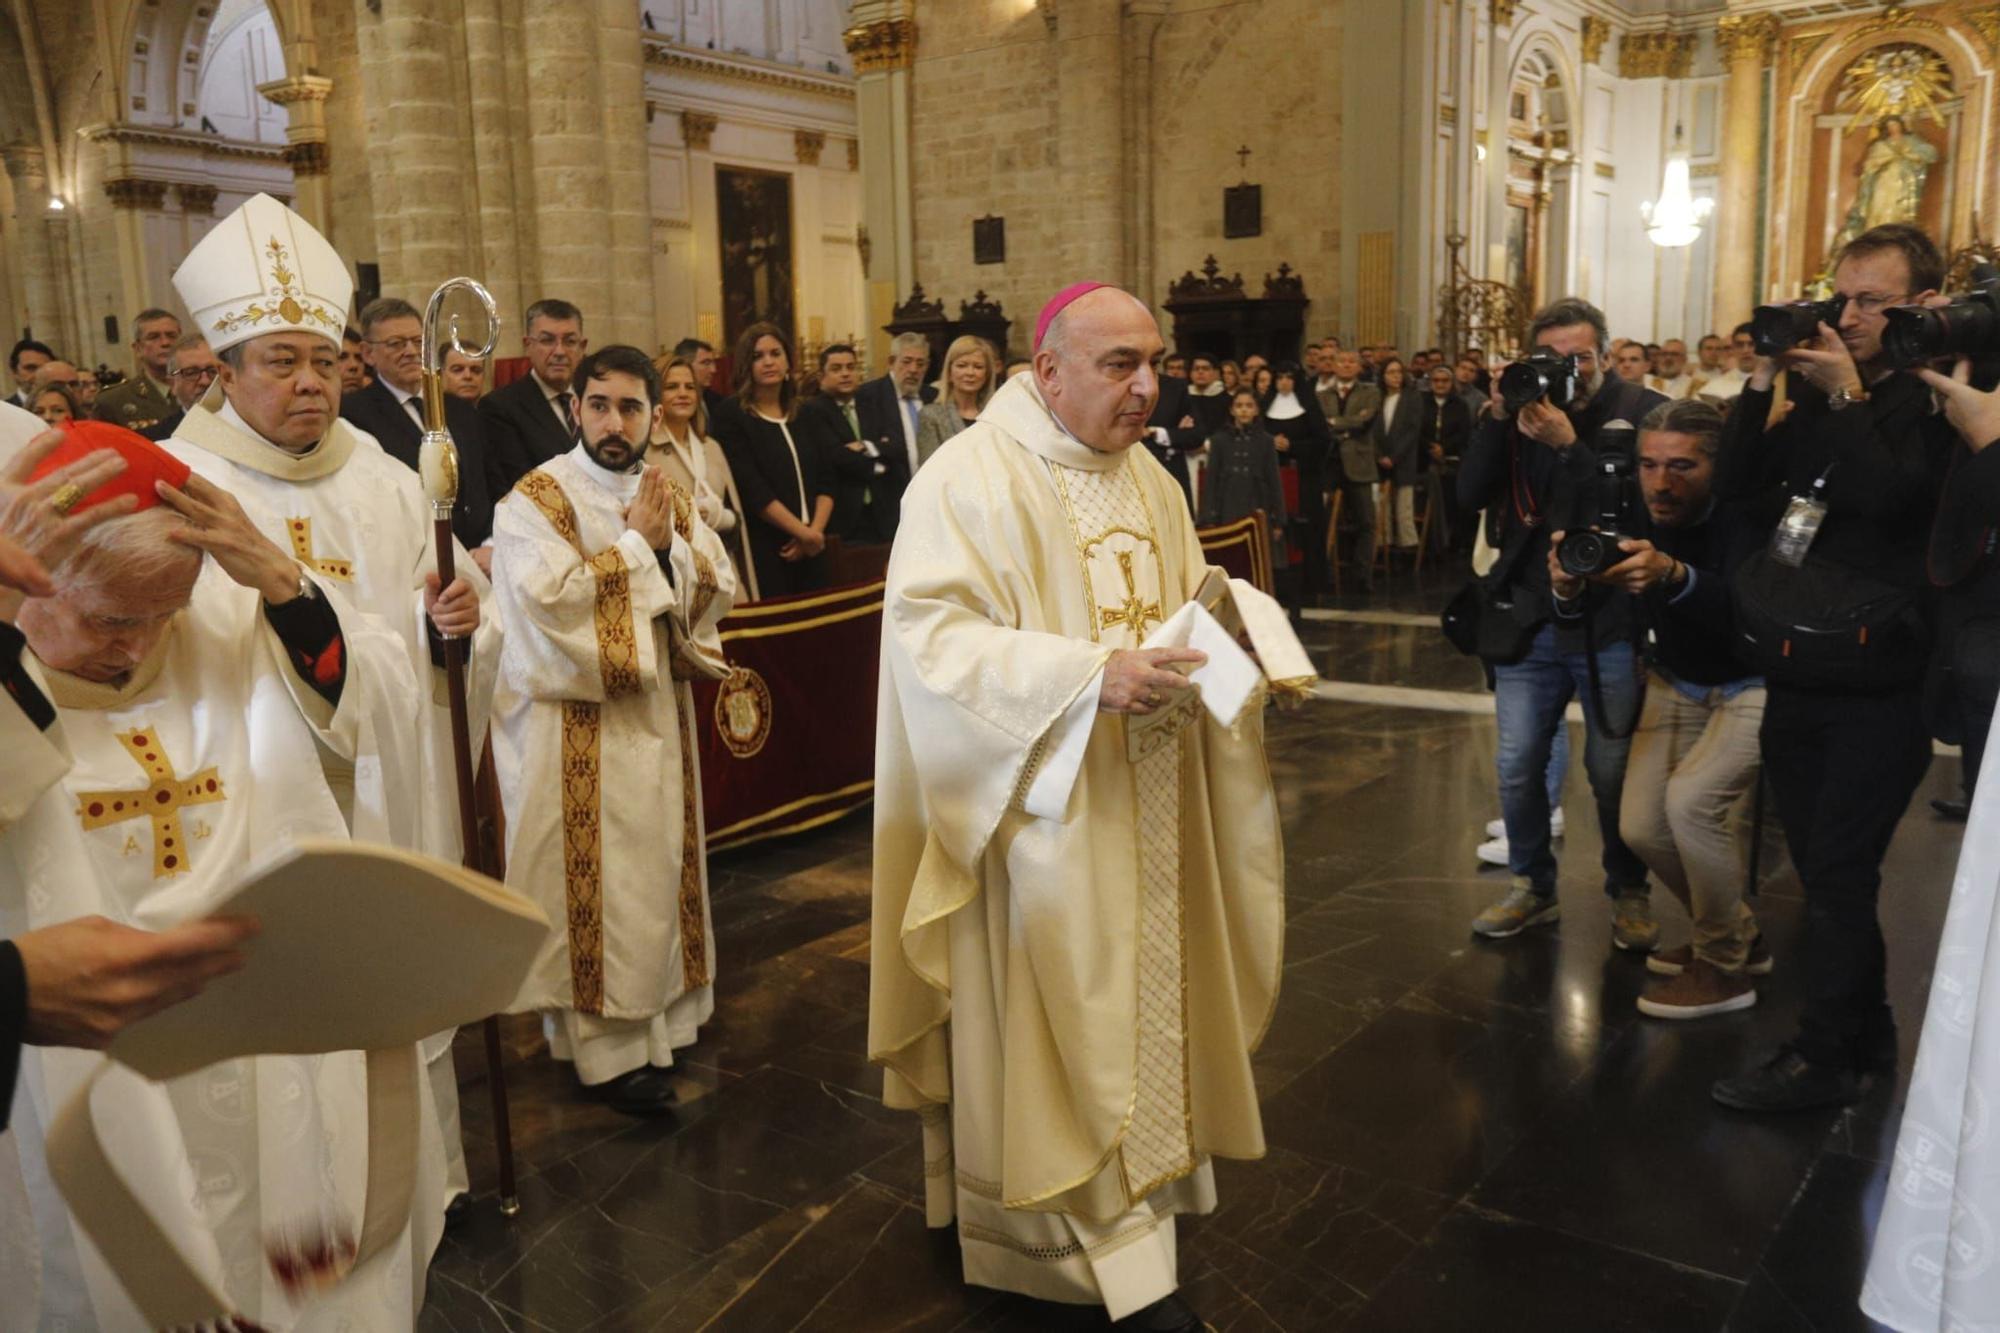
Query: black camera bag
x,y
1481,619
1824,626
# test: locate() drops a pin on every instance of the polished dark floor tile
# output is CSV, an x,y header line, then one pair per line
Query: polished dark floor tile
x,y
1463,1134
1483,1273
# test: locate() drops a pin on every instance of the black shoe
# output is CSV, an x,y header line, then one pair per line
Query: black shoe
x,y
1956,811
1787,1081
1168,1315
646,1093
457,1210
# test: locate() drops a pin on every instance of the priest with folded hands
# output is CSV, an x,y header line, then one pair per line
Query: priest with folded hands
x,y
193,712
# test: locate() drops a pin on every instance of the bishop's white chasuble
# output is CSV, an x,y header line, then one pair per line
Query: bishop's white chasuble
x,y
1069,998
205,764
599,772
359,519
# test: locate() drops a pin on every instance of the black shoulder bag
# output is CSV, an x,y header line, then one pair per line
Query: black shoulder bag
x,y
1481,620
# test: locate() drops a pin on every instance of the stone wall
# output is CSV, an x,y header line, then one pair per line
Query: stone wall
x,y
1262,74
1040,125
983,140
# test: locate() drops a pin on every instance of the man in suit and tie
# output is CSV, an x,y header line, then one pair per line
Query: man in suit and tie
x,y
534,419
865,474
1351,407
1175,430
887,410
701,356
191,368
392,410
24,361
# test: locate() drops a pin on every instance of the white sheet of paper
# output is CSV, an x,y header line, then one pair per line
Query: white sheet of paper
x,y
1229,676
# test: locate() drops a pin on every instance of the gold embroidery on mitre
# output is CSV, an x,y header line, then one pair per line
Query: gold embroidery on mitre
x,y
287,305
583,853
300,531
161,801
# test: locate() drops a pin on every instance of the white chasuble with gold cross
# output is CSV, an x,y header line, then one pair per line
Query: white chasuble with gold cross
x,y
595,746
204,764
1068,979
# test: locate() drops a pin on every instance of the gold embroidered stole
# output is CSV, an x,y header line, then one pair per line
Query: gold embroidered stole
x,y
1124,579
582,765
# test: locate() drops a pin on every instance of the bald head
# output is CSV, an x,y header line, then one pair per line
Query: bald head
x,y
1095,368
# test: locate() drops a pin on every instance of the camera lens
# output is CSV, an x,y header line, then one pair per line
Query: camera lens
x,y
1914,334
1521,384
1582,552
1775,329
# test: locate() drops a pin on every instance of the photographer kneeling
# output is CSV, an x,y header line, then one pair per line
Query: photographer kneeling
x,y
1694,753
1533,465
1832,614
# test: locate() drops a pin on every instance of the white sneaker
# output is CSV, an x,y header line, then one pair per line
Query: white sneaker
x,y
1497,828
1494,852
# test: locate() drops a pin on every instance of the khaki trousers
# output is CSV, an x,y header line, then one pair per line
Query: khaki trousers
x,y
1692,763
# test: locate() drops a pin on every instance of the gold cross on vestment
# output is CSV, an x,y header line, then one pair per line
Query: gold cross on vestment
x,y
1136,611
161,801
301,532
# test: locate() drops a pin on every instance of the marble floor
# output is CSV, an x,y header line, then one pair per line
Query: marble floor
x,y
1463,1135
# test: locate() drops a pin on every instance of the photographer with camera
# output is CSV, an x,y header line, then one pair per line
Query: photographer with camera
x,y
1831,614
1533,467
1694,753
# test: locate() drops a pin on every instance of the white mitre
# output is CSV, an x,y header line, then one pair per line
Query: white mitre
x,y
263,269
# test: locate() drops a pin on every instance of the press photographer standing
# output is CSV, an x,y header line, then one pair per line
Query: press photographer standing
x,y
1694,754
1844,738
1534,468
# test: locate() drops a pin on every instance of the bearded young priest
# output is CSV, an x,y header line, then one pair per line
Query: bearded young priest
x,y
611,587
1078,874
269,431
194,711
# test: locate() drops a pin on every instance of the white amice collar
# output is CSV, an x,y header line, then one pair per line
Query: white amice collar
x,y
229,414
624,485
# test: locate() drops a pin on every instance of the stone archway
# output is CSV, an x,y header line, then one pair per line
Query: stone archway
x,y
1540,134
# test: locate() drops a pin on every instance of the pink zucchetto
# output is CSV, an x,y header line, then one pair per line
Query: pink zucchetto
x,y
1059,303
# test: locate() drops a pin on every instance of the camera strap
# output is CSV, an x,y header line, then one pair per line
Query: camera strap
x,y
1597,707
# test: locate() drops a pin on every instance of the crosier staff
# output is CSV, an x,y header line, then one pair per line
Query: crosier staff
x,y
437,461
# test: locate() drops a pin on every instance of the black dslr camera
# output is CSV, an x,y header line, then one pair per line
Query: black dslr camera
x,y
1968,327
1777,329
1540,374
1620,515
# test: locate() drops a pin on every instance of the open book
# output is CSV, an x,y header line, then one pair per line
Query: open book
x,y
363,948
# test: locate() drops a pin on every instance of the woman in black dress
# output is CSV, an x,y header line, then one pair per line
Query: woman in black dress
x,y
781,464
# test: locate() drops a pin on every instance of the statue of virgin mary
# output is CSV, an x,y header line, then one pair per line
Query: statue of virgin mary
x,y
1892,176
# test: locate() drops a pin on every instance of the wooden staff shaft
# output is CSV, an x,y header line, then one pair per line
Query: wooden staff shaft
x,y
475,859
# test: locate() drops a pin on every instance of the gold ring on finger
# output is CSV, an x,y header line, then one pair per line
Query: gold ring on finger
x,y
1153,697
66,498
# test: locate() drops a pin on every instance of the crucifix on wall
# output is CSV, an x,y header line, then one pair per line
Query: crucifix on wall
x,y
1243,204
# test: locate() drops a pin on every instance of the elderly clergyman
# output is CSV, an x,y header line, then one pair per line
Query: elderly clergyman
x,y
1078,874
193,711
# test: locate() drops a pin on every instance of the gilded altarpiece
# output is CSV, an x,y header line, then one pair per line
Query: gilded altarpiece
x,y
1888,116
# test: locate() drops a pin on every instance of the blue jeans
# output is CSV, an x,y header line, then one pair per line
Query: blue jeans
x,y
1529,698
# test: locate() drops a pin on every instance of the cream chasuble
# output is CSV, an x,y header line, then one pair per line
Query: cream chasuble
x,y
205,764
595,748
1071,1001
359,519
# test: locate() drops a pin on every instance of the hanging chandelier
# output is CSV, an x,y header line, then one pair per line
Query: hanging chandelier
x,y
1675,219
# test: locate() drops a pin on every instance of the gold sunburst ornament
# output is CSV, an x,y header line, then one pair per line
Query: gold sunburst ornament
x,y
1896,81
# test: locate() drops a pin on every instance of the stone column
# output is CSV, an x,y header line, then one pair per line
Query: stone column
x,y
1494,192
883,43
501,238
568,180
1142,30
1090,140
624,233
1748,45
304,98
41,284
418,170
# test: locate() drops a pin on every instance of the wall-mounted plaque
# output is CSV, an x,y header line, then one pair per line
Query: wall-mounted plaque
x,y
1243,210
989,240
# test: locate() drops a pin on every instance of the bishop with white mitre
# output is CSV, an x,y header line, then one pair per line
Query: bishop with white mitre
x,y
271,295
611,587
193,711
1078,874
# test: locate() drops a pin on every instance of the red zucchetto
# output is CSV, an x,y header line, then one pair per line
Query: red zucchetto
x,y
145,462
